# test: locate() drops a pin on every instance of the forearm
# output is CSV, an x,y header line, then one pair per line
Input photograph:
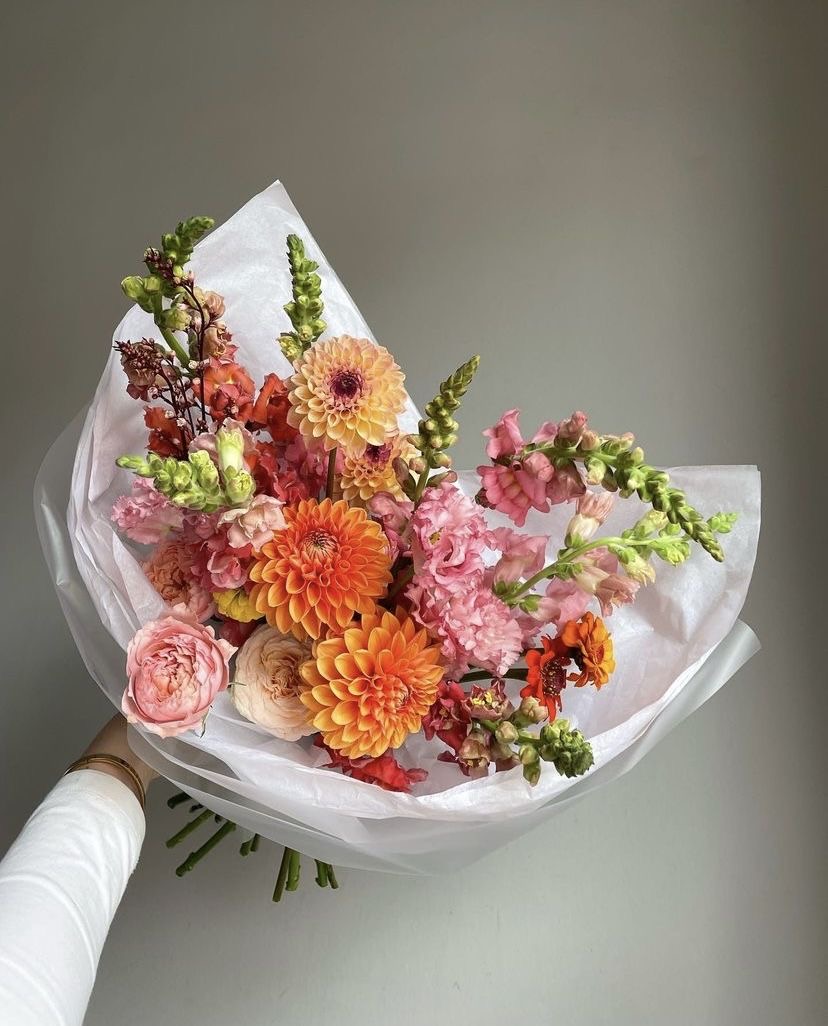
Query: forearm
x,y
60,884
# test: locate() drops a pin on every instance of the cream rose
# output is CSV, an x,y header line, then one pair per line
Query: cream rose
x,y
267,683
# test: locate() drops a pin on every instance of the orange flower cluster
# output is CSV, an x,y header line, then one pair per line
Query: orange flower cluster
x,y
370,687
586,643
329,562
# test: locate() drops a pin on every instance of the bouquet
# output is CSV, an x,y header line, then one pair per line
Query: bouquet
x,y
301,577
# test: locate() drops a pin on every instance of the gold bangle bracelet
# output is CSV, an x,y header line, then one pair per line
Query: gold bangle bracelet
x,y
118,763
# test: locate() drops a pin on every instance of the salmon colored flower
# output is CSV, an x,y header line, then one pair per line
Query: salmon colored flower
x,y
347,392
228,389
590,646
170,571
372,471
370,687
271,408
329,562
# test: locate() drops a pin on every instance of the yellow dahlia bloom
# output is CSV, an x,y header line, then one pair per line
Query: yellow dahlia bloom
x,y
348,392
328,562
372,470
370,687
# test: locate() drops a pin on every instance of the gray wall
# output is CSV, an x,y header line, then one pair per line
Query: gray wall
x,y
622,207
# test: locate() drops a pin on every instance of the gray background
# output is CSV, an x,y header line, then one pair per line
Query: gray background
x,y
621,206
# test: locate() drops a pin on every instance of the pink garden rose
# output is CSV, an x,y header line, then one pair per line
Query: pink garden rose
x,y
170,571
175,669
146,516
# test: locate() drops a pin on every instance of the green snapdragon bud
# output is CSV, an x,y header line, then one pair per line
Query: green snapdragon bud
x,y
568,750
438,429
230,448
239,487
305,309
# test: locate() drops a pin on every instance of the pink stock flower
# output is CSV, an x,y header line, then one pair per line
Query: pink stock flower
x,y
254,525
448,536
170,570
473,625
175,669
522,555
146,516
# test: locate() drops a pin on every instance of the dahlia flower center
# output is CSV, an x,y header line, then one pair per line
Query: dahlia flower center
x,y
377,455
319,543
346,386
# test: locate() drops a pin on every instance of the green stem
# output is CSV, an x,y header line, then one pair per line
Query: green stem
x,y
188,828
332,881
485,675
251,844
177,799
281,879
195,857
321,873
567,556
330,483
400,582
420,486
294,868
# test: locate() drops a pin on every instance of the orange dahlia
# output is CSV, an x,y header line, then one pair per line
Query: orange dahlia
x,y
347,391
372,471
370,687
590,646
329,562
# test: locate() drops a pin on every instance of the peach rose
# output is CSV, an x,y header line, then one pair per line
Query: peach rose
x,y
175,668
267,683
169,571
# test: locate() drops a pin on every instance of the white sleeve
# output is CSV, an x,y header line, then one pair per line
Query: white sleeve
x,y
60,884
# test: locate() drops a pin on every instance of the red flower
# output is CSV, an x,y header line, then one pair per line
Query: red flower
x,y
166,438
547,674
270,410
228,390
449,717
384,771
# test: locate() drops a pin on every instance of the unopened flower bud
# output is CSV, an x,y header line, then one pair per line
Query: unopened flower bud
x,y
506,733
528,755
532,710
230,449
531,773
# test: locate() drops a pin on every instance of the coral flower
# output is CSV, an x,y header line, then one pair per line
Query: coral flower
x,y
348,392
372,471
329,562
546,678
590,646
370,687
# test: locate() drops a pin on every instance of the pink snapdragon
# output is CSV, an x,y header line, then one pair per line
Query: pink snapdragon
x,y
521,555
592,510
145,515
520,481
394,516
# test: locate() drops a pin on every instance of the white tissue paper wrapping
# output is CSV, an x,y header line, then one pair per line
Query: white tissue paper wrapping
x,y
675,646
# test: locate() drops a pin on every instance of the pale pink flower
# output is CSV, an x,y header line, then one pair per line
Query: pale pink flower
x,y
394,516
267,683
572,429
227,570
592,510
562,601
505,438
598,576
171,571
474,626
253,525
146,516
513,490
522,555
448,536
175,668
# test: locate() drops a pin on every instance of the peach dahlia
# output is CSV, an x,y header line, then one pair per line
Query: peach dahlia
x,y
329,562
371,686
348,392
